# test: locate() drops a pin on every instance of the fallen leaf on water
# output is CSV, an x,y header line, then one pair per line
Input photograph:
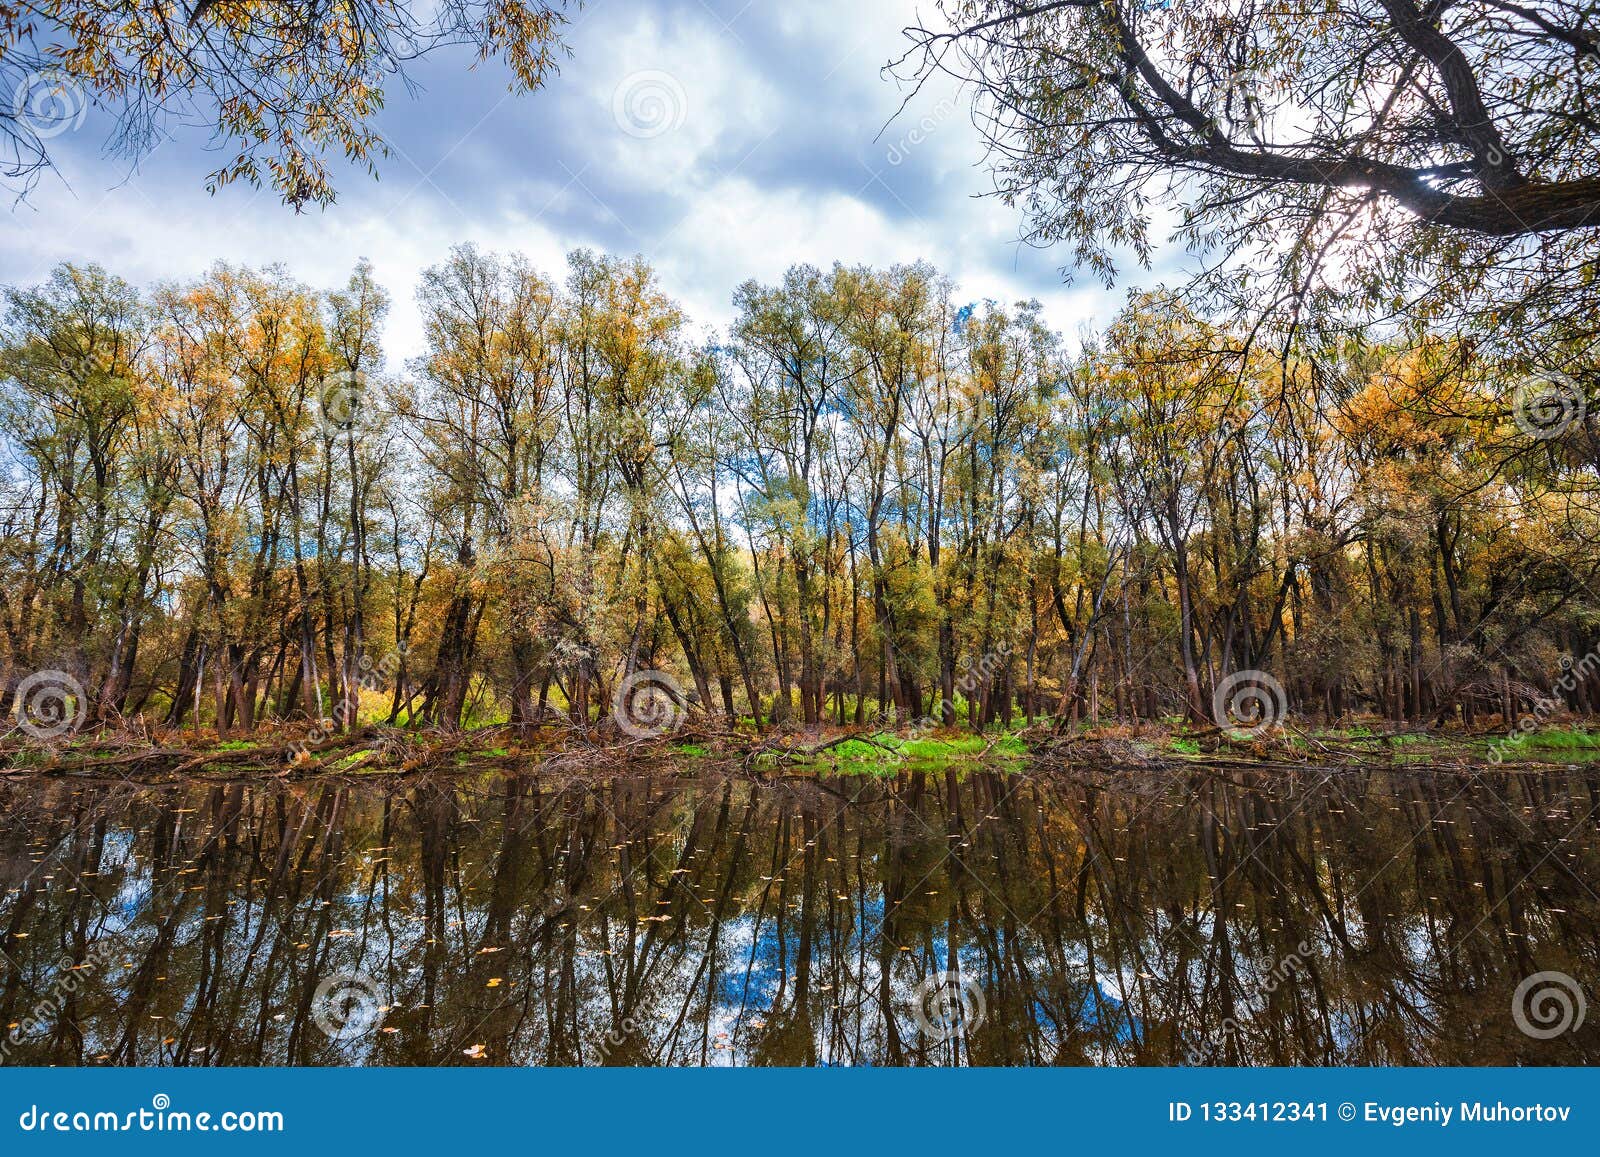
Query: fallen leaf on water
x,y
494,982
474,1051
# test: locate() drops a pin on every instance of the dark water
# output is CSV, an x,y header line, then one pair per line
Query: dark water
x,y
929,919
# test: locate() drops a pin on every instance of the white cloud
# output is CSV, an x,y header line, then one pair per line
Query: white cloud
x,y
671,95
770,161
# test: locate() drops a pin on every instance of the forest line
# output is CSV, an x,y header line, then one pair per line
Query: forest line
x,y
871,501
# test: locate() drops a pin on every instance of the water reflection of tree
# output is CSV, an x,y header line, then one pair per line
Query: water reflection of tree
x,y
655,921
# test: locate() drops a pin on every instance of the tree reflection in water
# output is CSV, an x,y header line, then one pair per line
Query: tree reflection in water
x,y
1348,918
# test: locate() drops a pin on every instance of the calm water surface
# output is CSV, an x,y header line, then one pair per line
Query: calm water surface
x,y
939,917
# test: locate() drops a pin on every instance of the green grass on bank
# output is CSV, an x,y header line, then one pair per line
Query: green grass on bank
x,y
884,753
1562,739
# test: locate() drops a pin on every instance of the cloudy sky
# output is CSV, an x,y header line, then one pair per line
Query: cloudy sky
x,y
721,139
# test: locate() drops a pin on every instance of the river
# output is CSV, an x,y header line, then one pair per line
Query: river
x,y
1036,917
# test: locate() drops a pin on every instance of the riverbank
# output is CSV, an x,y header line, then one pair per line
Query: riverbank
x,y
372,750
